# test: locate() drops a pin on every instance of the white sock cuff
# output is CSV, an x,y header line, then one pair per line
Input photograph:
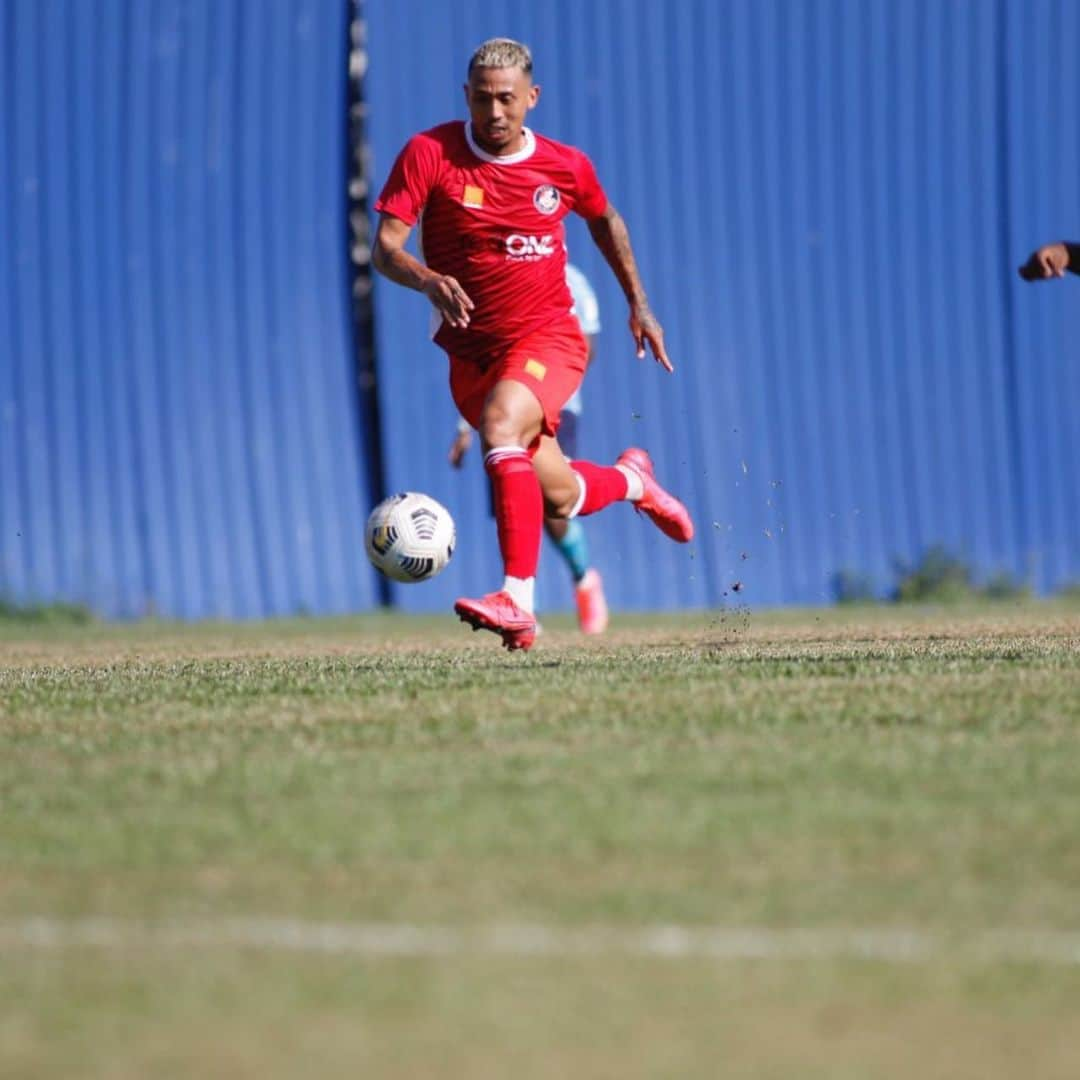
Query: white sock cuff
x,y
581,496
635,487
501,453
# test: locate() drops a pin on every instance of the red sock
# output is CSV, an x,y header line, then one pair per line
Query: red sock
x,y
519,509
604,485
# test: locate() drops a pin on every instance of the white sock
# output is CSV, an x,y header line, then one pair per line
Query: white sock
x,y
521,591
634,487
581,496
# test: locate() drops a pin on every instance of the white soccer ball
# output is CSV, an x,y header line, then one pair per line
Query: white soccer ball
x,y
409,537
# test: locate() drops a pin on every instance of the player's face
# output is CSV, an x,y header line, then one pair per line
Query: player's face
x,y
498,100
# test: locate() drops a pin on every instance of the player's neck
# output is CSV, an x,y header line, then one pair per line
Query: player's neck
x,y
508,150
512,149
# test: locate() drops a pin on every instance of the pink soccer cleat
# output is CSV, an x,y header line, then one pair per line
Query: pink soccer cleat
x,y
592,611
498,613
666,512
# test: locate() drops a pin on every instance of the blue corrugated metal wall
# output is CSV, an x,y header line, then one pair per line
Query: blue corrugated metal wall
x,y
828,199
178,428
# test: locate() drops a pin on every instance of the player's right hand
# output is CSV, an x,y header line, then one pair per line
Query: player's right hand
x,y
450,299
1048,262
459,448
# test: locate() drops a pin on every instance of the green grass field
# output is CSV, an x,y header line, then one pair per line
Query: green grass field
x,y
383,847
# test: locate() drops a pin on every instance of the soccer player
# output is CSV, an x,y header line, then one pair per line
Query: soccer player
x,y
493,195
568,536
1051,261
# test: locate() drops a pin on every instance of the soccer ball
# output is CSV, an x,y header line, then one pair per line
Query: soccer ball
x,y
409,537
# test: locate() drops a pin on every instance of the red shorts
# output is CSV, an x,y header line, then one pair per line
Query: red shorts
x,y
550,361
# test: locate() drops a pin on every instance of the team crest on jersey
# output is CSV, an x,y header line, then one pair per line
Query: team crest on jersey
x,y
546,198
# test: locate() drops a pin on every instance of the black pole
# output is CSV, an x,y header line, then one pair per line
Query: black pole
x,y
363,307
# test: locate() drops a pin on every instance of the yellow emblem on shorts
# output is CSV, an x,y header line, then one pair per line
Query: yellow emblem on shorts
x,y
473,196
535,369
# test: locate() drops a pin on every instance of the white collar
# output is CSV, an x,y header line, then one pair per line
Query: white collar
x,y
506,159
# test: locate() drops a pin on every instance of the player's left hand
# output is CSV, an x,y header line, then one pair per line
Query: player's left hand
x,y
645,327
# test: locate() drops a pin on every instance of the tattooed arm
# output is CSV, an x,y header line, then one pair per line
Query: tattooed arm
x,y
609,232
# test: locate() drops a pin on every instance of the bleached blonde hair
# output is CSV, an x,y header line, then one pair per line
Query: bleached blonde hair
x,y
501,52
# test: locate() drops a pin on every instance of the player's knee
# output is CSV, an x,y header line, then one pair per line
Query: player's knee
x,y
499,428
561,501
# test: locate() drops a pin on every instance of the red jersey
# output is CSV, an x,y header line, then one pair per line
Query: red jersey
x,y
495,224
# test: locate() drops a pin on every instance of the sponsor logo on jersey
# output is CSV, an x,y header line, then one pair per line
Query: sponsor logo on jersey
x,y
534,368
473,196
521,248
546,199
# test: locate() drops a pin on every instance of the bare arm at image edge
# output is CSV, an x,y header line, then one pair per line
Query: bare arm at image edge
x,y
1051,261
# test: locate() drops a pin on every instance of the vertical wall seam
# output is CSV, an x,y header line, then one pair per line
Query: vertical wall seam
x,y
358,277
1014,450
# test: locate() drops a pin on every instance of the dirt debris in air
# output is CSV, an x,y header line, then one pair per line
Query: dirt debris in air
x,y
729,623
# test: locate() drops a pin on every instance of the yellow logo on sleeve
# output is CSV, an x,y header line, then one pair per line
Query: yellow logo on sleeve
x,y
473,196
535,369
